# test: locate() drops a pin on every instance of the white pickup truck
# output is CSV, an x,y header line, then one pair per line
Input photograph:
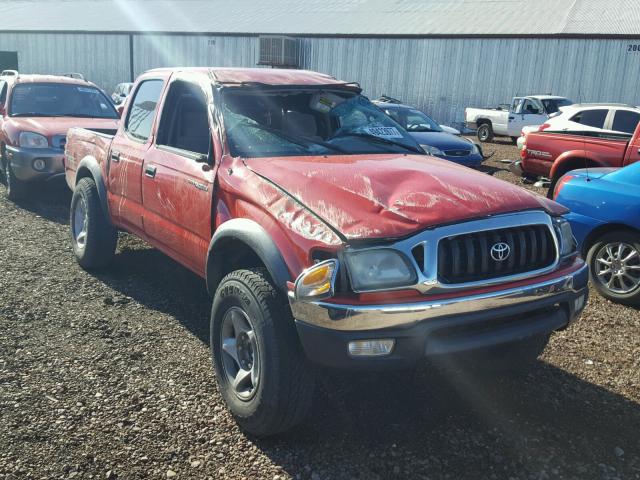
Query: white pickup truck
x,y
508,121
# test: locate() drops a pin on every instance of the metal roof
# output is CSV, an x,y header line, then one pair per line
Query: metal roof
x,y
330,17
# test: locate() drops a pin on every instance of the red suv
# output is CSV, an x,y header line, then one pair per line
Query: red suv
x,y
36,112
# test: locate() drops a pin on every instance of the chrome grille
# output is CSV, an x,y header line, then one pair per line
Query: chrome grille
x,y
469,257
457,153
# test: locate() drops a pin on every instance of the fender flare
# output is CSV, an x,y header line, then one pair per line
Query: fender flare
x,y
252,235
569,157
89,167
482,120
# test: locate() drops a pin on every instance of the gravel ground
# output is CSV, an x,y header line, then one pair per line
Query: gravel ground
x,y
109,376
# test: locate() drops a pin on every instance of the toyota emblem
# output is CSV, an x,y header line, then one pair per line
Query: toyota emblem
x,y
500,251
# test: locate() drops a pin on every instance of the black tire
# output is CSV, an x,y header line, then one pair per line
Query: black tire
x,y
485,133
285,382
632,239
15,189
552,186
514,140
100,237
3,168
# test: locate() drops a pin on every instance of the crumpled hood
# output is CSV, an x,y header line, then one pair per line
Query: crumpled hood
x,y
385,196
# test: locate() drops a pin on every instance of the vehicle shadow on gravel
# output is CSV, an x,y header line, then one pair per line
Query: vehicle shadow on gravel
x,y
452,424
157,282
49,200
432,423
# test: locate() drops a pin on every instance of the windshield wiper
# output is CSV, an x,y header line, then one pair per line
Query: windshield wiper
x,y
298,140
77,115
379,140
34,114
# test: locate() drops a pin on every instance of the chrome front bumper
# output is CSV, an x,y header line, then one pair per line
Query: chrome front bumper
x,y
352,318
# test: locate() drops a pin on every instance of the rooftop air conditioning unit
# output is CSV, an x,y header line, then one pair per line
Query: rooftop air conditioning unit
x,y
278,51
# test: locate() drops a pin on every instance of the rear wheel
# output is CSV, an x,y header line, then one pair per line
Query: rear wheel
x,y
614,261
93,238
514,140
261,370
485,133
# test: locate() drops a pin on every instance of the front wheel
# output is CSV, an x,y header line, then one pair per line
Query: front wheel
x,y
93,238
261,370
14,188
485,133
614,264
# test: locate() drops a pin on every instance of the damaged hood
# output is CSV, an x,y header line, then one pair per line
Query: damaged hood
x,y
385,196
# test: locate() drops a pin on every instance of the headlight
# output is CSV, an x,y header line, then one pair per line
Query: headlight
x,y
474,148
567,241
33,140
317,282
379,269
432,150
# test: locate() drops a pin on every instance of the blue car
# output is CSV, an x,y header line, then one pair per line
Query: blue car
x,y
431,137
605,218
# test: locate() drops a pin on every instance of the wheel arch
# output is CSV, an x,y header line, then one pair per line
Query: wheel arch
x,y
90,168
571,161
603,229
483,121
243,243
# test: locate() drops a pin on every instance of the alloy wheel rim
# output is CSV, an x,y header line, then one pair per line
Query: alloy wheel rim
x,y
80,223
240,354
483,134
617,267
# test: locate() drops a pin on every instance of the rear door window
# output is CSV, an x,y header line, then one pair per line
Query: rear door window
x,y
591,118
143,109
625,121
184,123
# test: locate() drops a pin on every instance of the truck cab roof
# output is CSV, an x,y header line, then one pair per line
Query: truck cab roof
x,y
545,97
261,76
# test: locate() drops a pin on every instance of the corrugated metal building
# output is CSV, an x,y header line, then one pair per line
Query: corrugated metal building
x,y
440,55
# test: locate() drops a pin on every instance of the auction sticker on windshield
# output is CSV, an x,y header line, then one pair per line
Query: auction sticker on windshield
x,y
384,132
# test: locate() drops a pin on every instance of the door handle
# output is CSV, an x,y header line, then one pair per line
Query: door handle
x,y
512,118
115,156
150,171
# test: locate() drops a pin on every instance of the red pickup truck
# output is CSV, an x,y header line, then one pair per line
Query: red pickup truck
x,y
35,113
552,154
325,234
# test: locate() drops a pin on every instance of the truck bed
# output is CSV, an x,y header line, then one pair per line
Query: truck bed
x,y
544,148
81,143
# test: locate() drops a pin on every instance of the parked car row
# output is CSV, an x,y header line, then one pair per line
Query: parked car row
x,y
591,155
330,230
